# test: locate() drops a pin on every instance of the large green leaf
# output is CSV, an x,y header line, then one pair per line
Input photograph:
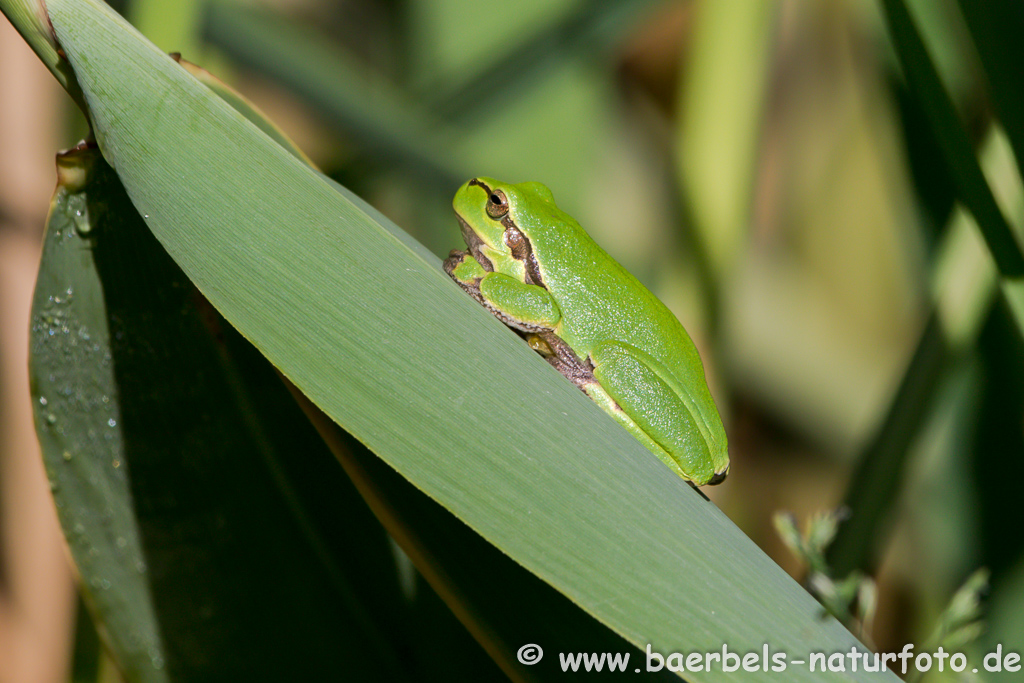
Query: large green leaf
x,y
201,508
375,335
457,562
219,404
503,605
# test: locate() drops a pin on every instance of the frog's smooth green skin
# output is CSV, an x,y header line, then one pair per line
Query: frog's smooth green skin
x,y
535,268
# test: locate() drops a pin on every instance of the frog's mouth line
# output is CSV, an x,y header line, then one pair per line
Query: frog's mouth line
x,y
475,244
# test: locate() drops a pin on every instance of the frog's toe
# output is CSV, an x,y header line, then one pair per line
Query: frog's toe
x,y
718,477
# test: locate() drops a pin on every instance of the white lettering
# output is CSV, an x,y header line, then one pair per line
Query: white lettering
x,y
652,656
905,654
998,656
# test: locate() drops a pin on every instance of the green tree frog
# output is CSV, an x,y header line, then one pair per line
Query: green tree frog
x,y
538,272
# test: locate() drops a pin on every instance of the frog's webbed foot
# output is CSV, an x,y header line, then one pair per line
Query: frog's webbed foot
x,y
455,258
467,273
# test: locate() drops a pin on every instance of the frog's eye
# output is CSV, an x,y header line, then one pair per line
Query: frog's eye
x,y
497,204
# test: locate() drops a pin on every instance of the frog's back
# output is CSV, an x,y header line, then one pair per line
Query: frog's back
x,y
601,301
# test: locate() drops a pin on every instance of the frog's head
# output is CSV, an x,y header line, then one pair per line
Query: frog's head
x,y
494,217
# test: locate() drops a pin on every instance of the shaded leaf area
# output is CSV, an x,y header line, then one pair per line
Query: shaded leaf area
x,y
504,605
85,658
932,183
77,421
996,468
216,536
1006,628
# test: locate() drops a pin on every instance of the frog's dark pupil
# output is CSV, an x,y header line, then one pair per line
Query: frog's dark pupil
x,y
495,199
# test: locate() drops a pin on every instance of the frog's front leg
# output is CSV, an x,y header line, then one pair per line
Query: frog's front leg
x,y
529,308
636,391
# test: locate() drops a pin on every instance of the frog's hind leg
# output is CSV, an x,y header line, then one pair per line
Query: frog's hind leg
x,y
560,355
636,395
608,404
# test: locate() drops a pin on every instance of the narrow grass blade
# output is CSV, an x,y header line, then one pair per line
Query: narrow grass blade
x,y
965,285
878,478
996,26
721,103
972,188
30,20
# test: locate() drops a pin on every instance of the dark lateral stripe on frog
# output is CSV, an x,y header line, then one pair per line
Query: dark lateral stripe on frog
x,y
515,240
476,181
474,243
523,251
525,254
